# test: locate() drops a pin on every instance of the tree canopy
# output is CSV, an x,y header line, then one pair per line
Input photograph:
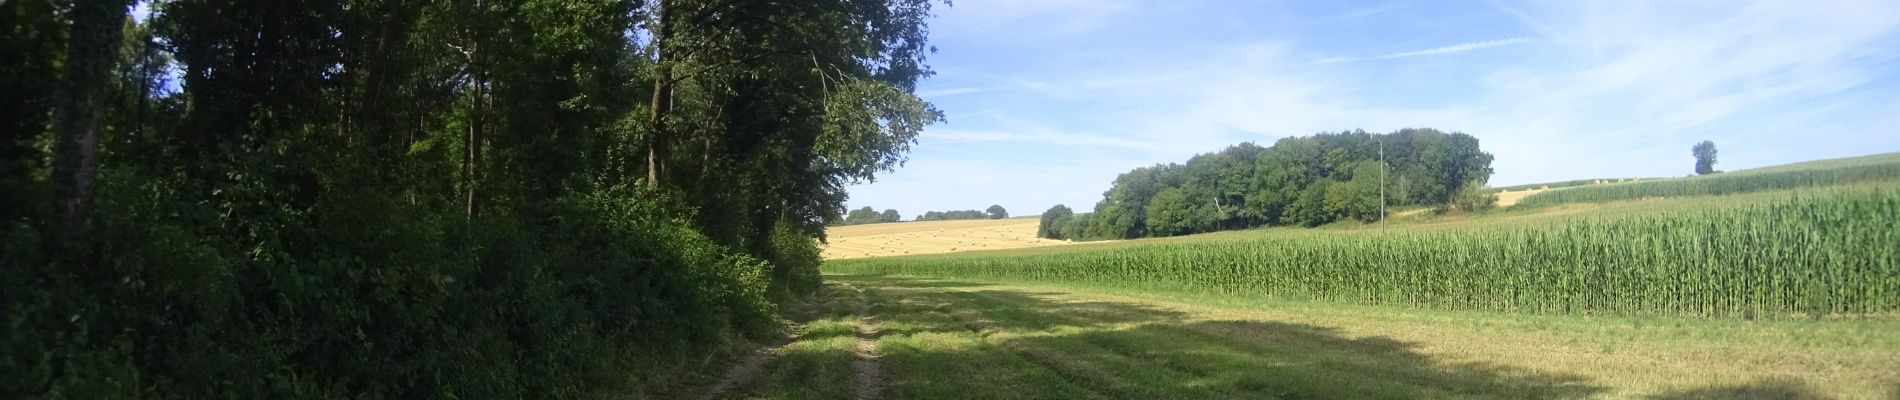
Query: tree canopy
x,y
1054,223
1306,181
1704,157
484,198
953,215
867,215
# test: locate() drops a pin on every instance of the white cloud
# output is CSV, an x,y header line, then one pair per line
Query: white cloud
x,y
1363,12
1595,89
1038,135
947,92
1456,48
1644,75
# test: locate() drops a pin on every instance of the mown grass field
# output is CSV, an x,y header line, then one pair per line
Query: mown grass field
x,y
944,339
1774,283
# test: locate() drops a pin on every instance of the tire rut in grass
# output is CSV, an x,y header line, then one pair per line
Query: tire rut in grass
x,y
746,368
869,373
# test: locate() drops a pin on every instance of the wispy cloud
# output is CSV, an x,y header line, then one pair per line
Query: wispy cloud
x,y
1363,12
1036,135
1591,89
1457,48
945,92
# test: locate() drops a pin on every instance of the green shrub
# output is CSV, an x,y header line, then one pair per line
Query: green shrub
x,y
366,297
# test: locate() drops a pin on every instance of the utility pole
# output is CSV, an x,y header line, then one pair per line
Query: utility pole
x,y
1382,168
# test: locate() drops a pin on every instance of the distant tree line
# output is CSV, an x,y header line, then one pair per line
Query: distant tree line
x,y
994,212
1304,181
867,215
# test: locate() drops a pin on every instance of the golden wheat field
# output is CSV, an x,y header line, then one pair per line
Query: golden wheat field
x,y
929,237
1509,198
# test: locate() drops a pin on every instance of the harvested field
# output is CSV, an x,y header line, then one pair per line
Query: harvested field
x,y
931,237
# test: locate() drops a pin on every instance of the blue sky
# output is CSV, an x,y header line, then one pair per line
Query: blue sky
x,y
1048,100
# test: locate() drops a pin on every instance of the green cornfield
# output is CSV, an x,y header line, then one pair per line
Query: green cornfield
x,y
1877,168
1836,252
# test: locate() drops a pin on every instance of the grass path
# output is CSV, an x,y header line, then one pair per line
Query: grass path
x,y
870,375
948,339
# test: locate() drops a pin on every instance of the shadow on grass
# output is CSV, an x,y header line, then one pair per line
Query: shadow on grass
x,y
1264,359
908,283
998,343
1767,389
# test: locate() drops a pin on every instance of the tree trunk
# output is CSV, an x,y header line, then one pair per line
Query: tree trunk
x,y
477,121
662,102
91,54
656,141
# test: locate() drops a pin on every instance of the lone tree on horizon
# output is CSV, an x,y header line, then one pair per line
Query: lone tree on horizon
x,y
997,212
1704,157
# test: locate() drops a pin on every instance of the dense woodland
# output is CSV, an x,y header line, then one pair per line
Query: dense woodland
x,y
868,215
426,199
1305,181
993,212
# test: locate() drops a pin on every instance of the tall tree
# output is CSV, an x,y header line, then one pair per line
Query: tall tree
x,y
1054,221
1704,157
33,45
91,56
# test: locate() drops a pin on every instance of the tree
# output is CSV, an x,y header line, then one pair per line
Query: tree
x,y
997,212
1307,181
92,54
33,46
953,215
1473,197
865,215
1169,213
891,215
1053,222
1079,227
1704,157
609,175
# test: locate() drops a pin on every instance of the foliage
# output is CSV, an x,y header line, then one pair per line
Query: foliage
x,y
861,216
996,212
1054,223
1079,227
953,215
1306,181
1704,157
867,215
369,199
1471,197
1869,169
1820,254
